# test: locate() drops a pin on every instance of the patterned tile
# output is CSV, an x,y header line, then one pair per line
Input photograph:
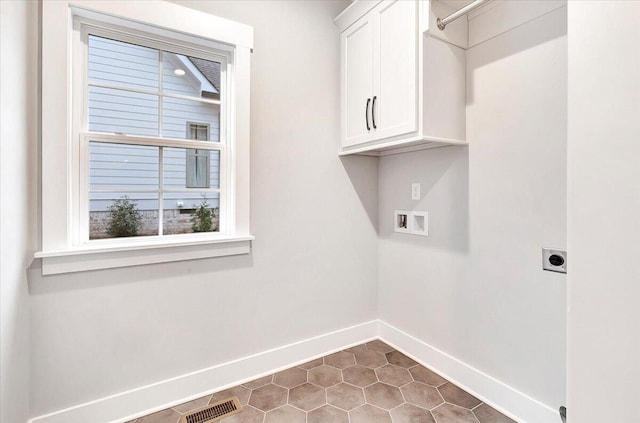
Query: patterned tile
x,y
378,346
268,397
286,414
247,415
340,360
311,364
399,359
357,348
307,397
369,414
424,375
370,359
326,414
376,377
486,414
408,413
383,395
454,395
345,396
325,376
422,395
393,375
449,413
359,376
291,377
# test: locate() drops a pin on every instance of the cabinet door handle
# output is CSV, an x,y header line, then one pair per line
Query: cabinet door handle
x,y
366,114
373,112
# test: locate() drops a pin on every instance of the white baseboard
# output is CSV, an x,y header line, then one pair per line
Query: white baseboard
x,y
157,396
151,398
499,395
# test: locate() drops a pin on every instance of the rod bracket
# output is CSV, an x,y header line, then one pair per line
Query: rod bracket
x,y
442,23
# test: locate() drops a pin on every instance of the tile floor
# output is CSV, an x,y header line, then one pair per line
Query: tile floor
x,y
369,383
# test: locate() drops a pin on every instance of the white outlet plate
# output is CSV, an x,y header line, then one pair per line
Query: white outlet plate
x,y
415,191
419,223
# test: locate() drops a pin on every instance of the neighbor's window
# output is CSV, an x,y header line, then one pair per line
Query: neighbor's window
x,y
198,160
145,175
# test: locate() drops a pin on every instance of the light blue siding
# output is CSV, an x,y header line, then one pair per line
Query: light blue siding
x,y
177,112
125,65
116,111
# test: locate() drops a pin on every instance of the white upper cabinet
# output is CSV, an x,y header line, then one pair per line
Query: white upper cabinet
x,y
357,82
400,87
394,104
378,68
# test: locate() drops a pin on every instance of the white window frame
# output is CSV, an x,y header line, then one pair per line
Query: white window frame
x,y
65,245
83,28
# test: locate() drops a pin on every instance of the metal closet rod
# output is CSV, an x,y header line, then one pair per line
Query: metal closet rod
x,y
442,23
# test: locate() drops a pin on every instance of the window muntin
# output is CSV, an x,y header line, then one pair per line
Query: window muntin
x,y
126,98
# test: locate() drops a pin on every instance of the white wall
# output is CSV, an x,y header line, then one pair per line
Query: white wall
x,y
475,288
313,263
18,175
604,210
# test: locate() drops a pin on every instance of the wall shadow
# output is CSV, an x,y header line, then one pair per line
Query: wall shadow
x,y
443,174
363,174
39,284
535,32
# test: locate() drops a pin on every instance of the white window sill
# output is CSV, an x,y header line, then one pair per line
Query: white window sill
x,y
106,256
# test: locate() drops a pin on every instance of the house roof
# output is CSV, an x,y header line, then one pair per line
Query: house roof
x,y
211,71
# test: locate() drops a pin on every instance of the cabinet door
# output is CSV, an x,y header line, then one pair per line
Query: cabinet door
x,y
396,68
356,46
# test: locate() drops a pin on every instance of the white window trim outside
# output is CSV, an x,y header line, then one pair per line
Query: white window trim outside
x,y
62,247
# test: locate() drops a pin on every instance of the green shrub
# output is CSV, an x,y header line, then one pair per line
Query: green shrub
x,y
124,218
202,218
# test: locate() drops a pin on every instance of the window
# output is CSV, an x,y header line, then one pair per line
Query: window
x,y
198,160
138,187
145,146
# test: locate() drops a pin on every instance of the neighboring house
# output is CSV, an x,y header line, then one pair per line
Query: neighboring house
x,y
121,169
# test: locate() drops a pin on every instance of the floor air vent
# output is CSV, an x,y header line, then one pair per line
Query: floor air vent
x,y
213,412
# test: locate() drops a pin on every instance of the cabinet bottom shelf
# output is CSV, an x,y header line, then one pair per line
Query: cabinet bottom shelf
x,y
400,146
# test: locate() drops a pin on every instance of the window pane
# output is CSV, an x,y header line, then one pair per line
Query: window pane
x,y
122,64
179,116
122,214
188,212
125,112
122,167
191,168
190,76
126,195
198,169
